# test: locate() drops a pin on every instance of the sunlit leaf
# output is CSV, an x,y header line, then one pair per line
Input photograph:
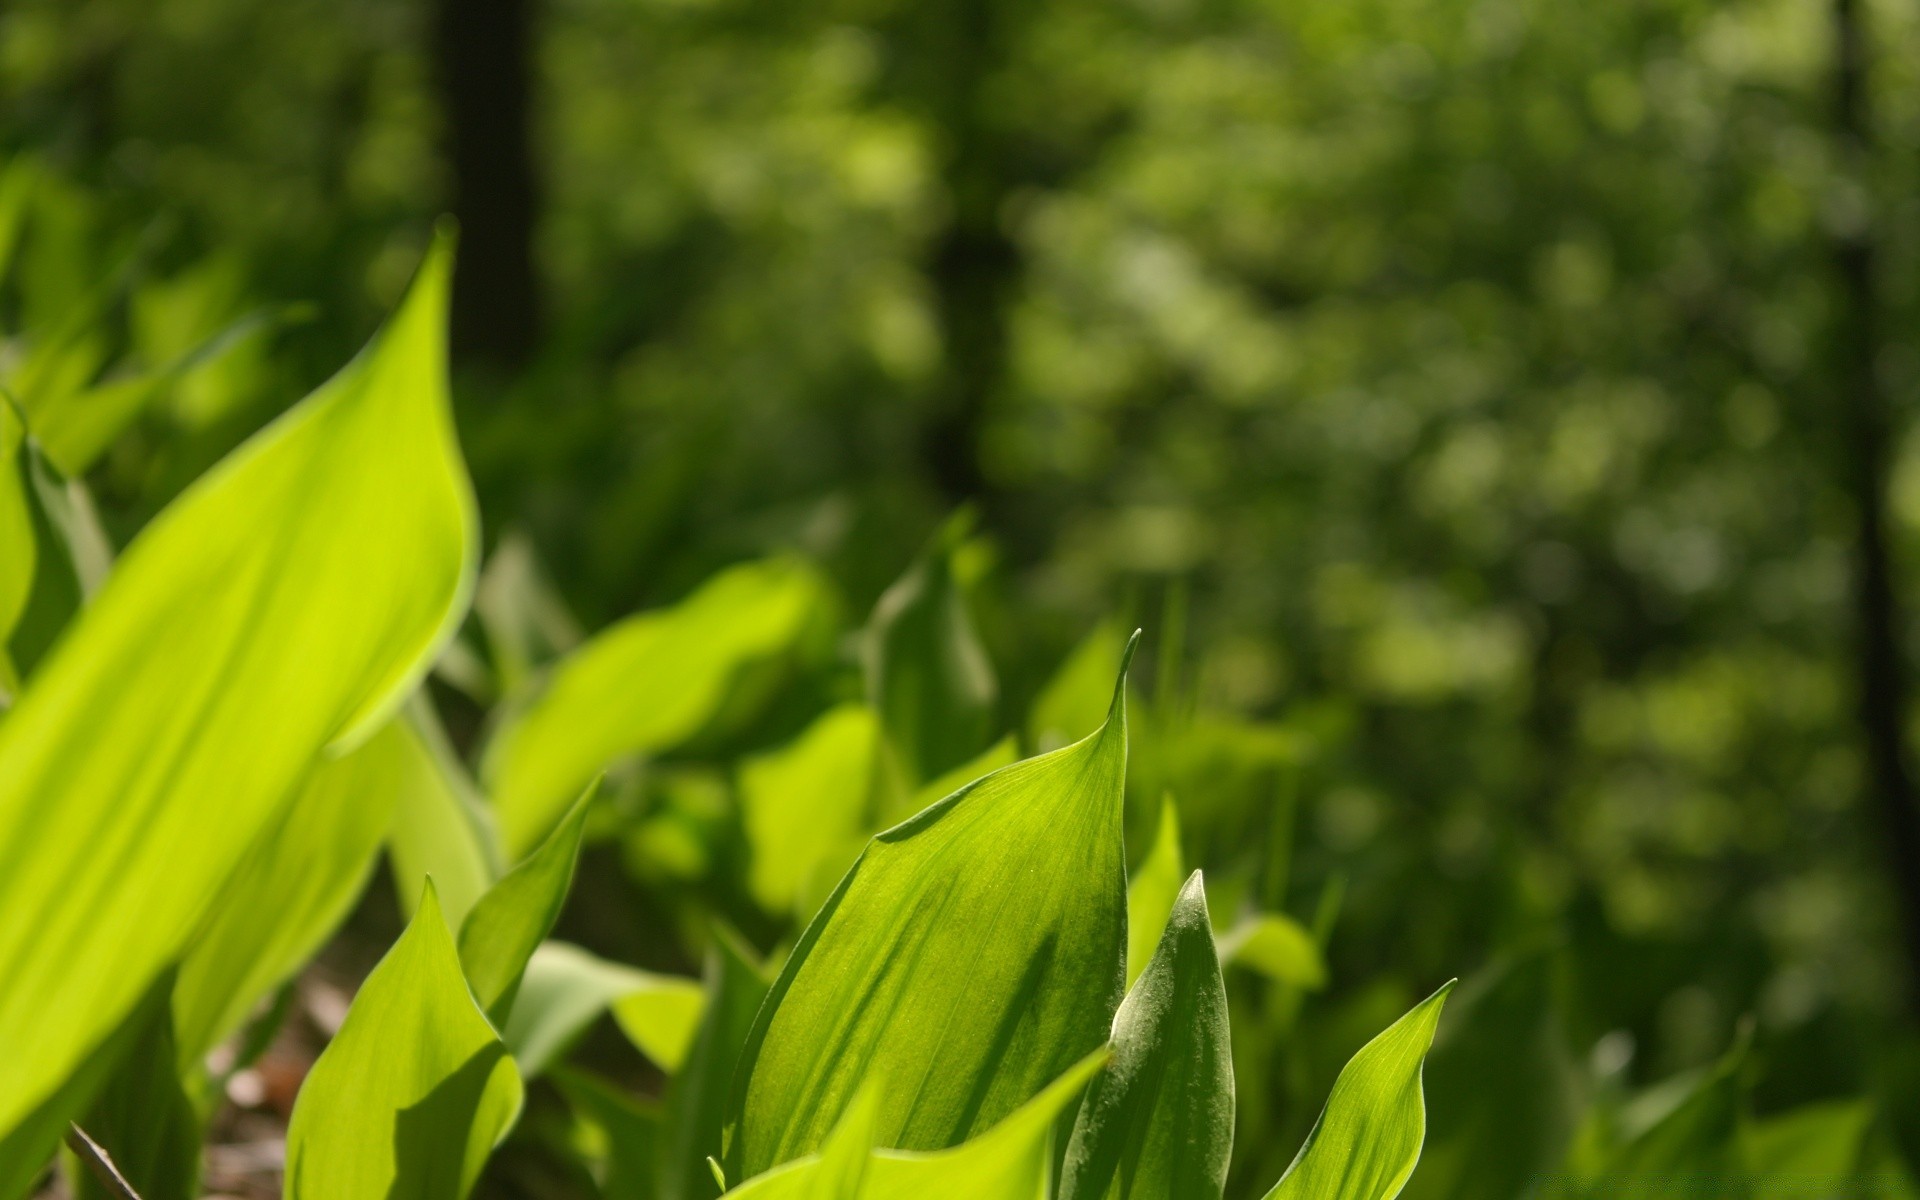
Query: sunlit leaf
x,y
1152,891
927,673
566,989
967,959
284,604
441,828
1011,1161
1368,1137
1159,1121
510,921
805,802
1278,947
293,888
412,1094
644,685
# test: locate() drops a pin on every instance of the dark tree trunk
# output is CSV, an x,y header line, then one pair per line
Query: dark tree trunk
x,y
974,265
483,51
1868,432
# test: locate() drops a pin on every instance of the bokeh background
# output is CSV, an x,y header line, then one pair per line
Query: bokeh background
x,y
1496,411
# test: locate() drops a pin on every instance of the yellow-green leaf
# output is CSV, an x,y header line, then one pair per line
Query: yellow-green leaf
x,y
970,956
412,1094
1278,947
441,828
515,915
566,988
644,685
284,604
296,885
803,803
1368,1137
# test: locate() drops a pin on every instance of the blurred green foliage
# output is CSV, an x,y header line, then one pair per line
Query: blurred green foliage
x,y
1447,386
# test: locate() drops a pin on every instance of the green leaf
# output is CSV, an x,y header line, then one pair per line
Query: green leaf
x,y
1506,1093
806,802
283,604
1075,698
927,673
1278,947
441,828
145,1120
1367,1140
71,558
566,988
1152,891
415,1090
1158,1122
1010,1161
510,921
644,685
966,960
298,883
696,1101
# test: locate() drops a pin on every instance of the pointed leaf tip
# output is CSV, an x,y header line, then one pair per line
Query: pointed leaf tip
x,y
1118,707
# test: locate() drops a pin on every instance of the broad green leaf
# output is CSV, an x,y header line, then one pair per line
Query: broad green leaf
x,y
1276,946
566,989
1011,1161
927,673
412,1094
805,802
284,604
441,828
966,960
1076,697
1506,1093
145,1120
629,1132
697,1097
1368,1137
510,921
642,686
1152,891
1158,1123
837,1172
298,883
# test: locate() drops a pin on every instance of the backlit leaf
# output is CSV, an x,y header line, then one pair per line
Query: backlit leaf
x,y
805,802
441,828
412,1094
644,685
1158,1122
510,921
296,885
1368,1137
285,603
1278,947
566,988
968,958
